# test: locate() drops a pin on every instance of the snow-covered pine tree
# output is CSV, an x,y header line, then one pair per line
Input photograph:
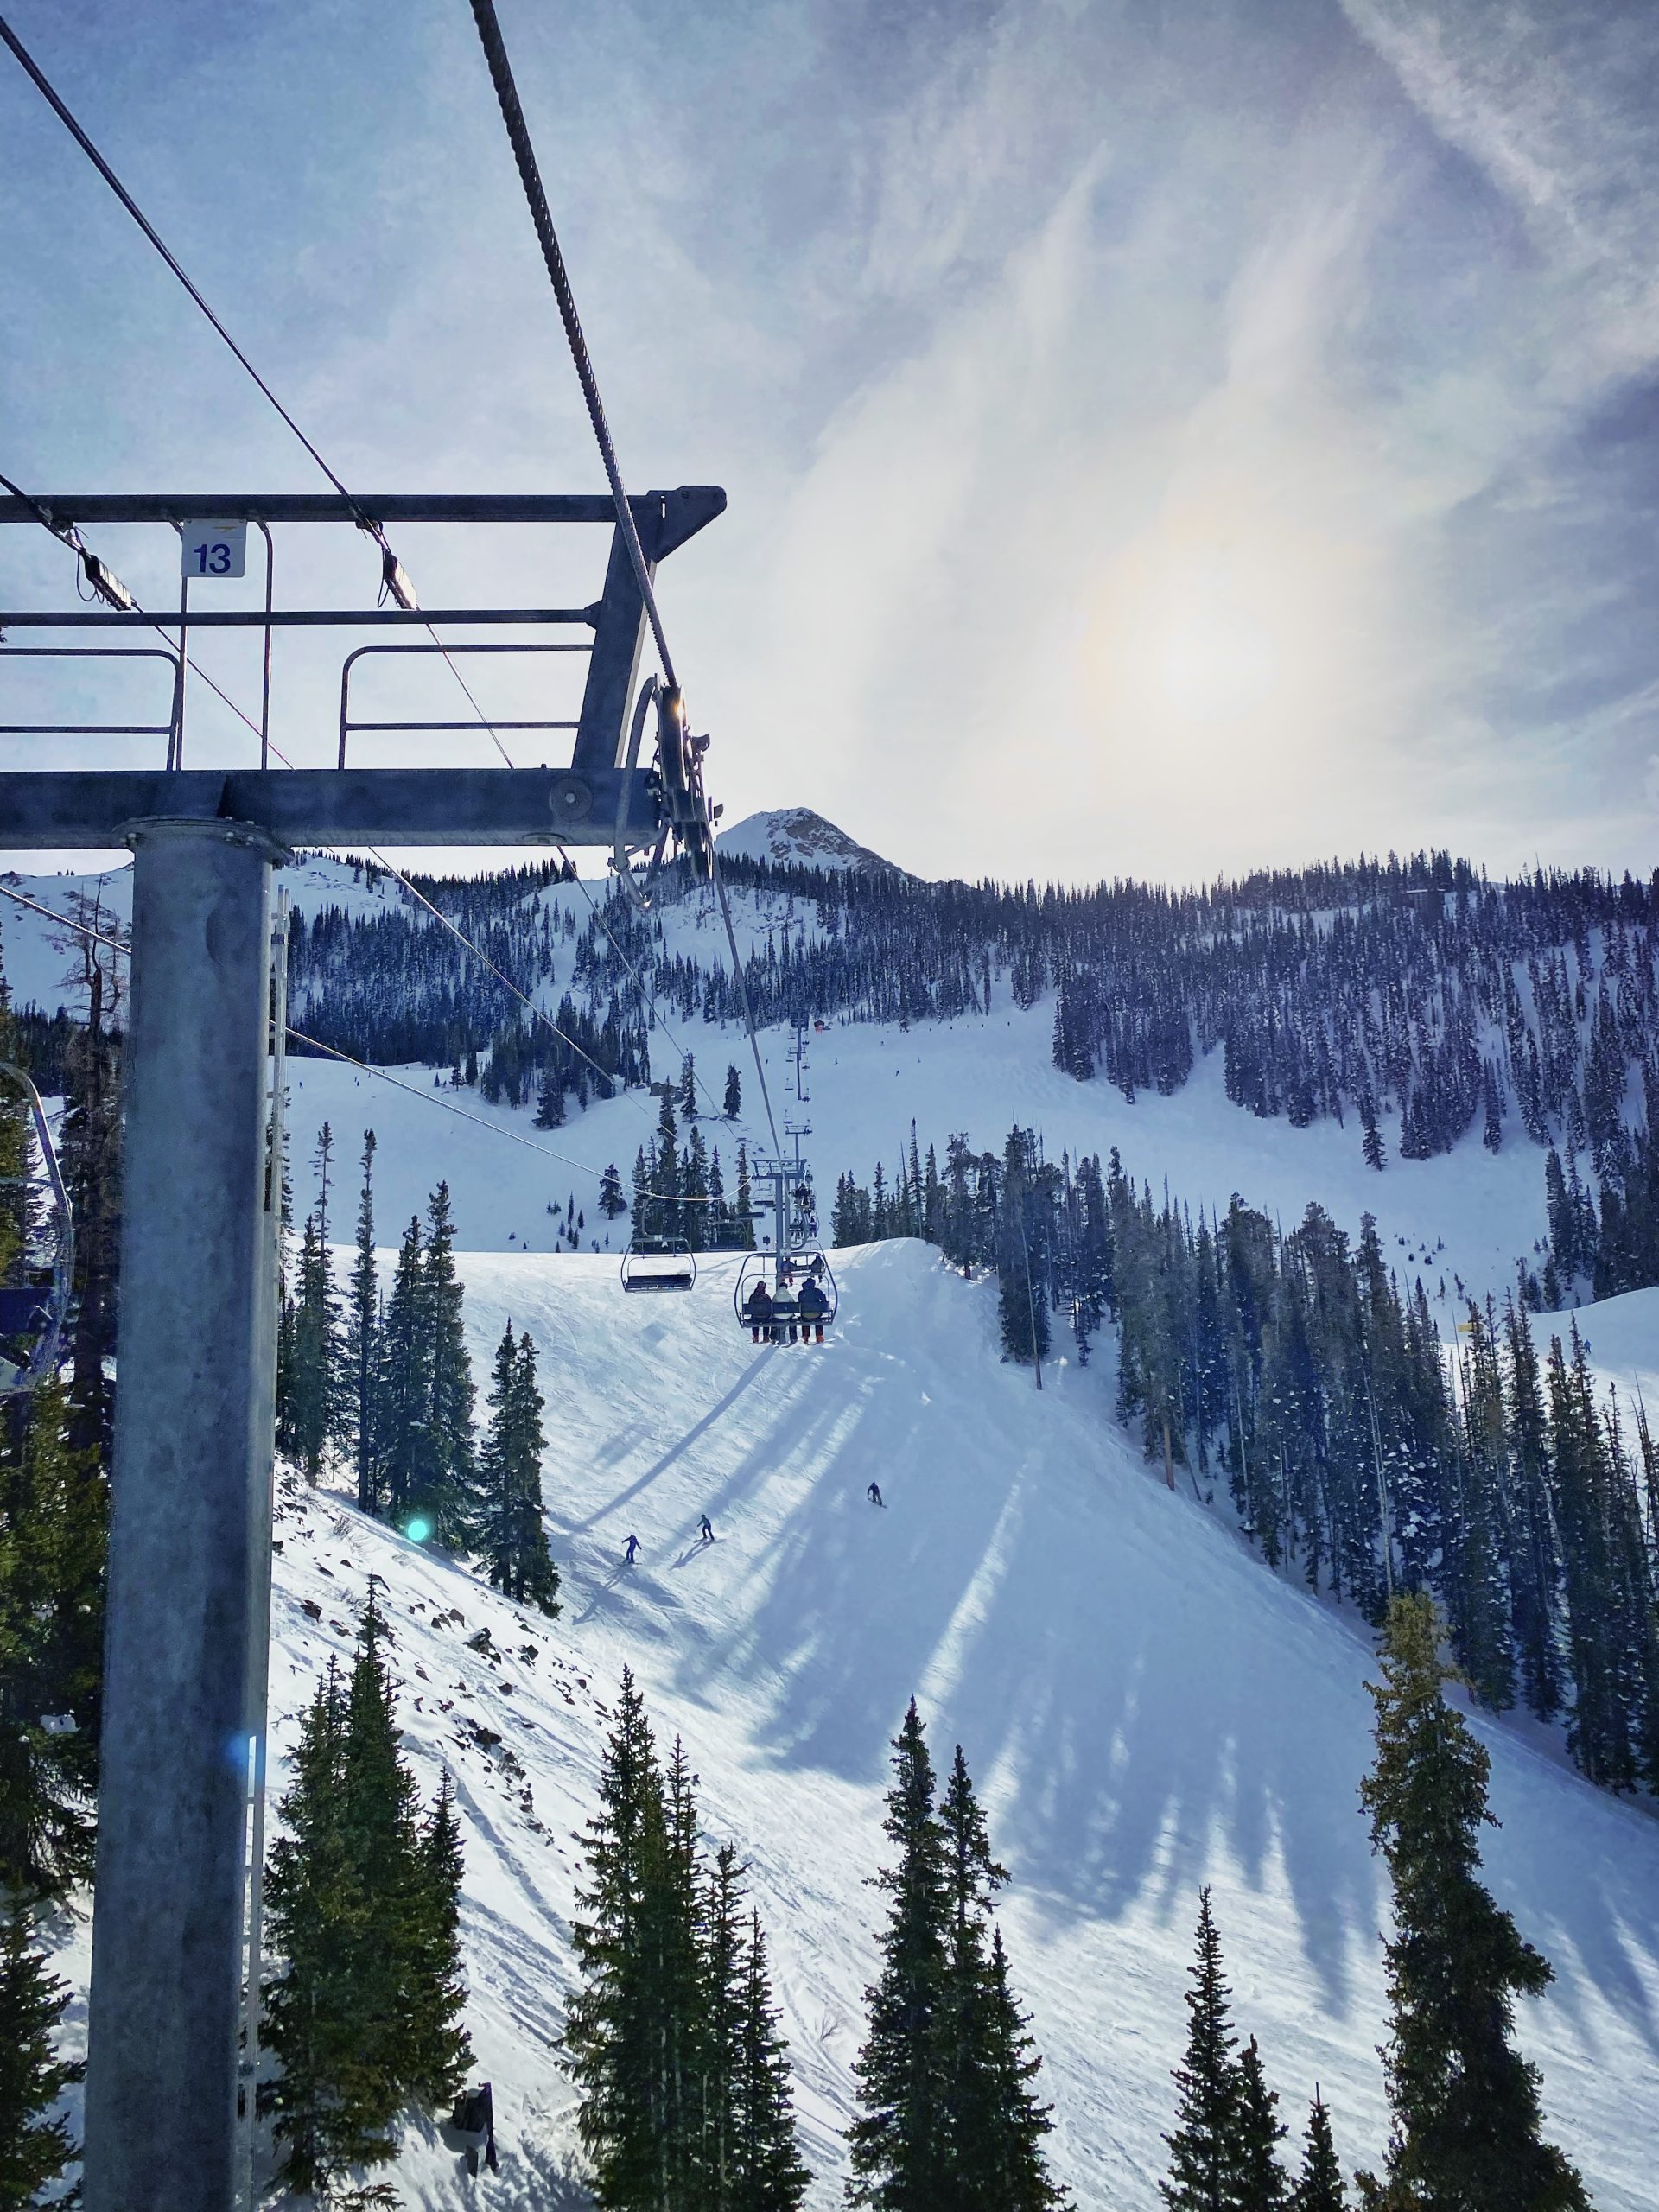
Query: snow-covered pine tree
x,y
510,1531
1467,2122
1261,2186
1318,2186
1203,2168
732,1104
34,2147
550,1099
450,1502
685,1096
900,2146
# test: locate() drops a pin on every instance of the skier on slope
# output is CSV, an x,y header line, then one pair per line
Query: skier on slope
x,y
633,1547
873,1494
707,1528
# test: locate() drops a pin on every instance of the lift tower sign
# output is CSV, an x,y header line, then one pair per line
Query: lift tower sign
x,y
213,548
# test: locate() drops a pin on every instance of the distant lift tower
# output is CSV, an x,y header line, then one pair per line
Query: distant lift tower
x,y
174,1936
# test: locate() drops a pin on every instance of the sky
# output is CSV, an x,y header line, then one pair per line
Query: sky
x,y
1160,441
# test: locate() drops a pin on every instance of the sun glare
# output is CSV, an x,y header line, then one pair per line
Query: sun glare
x,y
1215,664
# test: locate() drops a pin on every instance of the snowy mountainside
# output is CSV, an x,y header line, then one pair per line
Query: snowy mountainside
x,y
795,836
1145,1708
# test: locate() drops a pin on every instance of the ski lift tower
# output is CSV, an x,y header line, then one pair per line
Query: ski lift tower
x,y
175,1933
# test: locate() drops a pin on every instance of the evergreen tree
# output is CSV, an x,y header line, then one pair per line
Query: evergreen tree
x,y
438,2054
313,1395
1204,2163
362,1361
405,1450
901,2146
1262,2185
768,2176
732,1104
363,2016
611,1200
1467,2125
448,1505
612,2037
511,1530
686,1096
53,1531
34,2148
1318,2187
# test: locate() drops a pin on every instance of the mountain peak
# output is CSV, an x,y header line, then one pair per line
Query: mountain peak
x,y
794,836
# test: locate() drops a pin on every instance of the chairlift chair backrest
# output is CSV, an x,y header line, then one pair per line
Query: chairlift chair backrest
x,y
658,1264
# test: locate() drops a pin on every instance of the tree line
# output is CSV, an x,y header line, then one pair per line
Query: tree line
x,y
1293,1372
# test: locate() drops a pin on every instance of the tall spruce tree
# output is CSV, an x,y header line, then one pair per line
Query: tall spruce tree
x,y
612,2036
362,1354
34,2146
900,2146
767,2173
450,1501
1467,2126
312,1394
511,1530
1204,2163
1318,2186
405,1453
364,2013
996,2125
1261,2186
53,1531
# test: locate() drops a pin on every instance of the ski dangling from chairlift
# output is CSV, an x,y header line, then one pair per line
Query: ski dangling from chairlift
x,y
37,1251
660,1263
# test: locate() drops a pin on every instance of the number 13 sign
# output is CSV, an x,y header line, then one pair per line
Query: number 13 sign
x,y
213,548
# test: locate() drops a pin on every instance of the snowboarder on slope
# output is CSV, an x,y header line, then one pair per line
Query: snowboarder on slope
x,y
633,1547
757,1307
873,1494
707,1528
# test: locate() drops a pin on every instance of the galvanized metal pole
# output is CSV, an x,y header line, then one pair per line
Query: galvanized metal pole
x,y
190,1532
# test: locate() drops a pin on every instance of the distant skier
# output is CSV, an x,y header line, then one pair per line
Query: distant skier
x,y
707,1528
813,1306
757,1307
633,1550
873,1494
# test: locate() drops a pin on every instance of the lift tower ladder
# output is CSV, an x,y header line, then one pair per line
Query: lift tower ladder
x,y
184,1713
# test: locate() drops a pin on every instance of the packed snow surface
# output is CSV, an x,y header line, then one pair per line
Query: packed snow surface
x,y
1145,1706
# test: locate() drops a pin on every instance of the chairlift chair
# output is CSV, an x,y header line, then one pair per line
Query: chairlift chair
x,y
37,1276
658,1264
797,1266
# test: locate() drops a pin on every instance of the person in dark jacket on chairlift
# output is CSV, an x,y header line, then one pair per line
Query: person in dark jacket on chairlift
x,y
758,1310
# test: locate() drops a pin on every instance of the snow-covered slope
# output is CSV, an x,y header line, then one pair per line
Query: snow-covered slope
x,y
796,837
1146,1708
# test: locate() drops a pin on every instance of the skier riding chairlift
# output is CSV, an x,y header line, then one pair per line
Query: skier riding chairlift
x,y
757,1312
812,1305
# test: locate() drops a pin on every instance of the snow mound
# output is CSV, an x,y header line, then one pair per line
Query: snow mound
x,y
795,836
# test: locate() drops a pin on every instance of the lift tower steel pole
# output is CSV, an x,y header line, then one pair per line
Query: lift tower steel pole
x,y
190,1528
188,1626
